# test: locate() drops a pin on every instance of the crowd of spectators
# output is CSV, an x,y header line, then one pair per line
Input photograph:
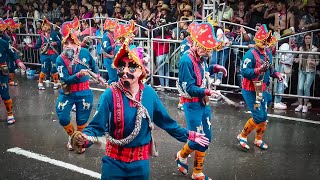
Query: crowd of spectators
x,y
281,16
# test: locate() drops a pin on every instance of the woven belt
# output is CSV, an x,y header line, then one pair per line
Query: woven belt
x,y
80,86
194,99
127,154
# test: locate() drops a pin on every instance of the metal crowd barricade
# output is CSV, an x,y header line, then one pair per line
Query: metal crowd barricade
x,y
294,81
233,81
30,56
155,37
165,62
98,54
93,22
293,77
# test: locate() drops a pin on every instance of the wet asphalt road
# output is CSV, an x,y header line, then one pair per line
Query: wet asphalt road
x,y
294,147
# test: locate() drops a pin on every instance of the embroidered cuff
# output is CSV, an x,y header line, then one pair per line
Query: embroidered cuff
x,y
83,44
257,71
207,92
192,135
276,75
18,61
215,69
79,75
85,145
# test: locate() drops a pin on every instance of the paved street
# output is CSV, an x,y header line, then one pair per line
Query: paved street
x,y
294,146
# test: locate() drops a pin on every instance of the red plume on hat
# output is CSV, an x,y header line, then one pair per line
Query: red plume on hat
x,y
71,35
262,33
11,23
123,30
3,25
66,27
68,32
203,34
75,23
45,21
109,24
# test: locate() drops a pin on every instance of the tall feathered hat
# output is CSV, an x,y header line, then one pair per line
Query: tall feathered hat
x,y
11,23
262,34
123,30
68,32
203,35
109,24
45,21
136,54
3,25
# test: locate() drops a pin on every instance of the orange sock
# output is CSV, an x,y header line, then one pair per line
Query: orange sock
x,y
185,151
260,130
198,161
8,104
42,77
69,129
55,78
250,125
80,128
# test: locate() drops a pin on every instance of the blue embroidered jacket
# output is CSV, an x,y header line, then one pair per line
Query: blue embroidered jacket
x,y
191,75
42,40
108,43
68,71
6,53
103,121
251,60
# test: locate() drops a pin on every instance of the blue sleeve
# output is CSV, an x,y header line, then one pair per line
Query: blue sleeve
x,y
100,121
64,73
56,39
247,68
106,45
11,54
163,120
93,65
185,76
38,44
